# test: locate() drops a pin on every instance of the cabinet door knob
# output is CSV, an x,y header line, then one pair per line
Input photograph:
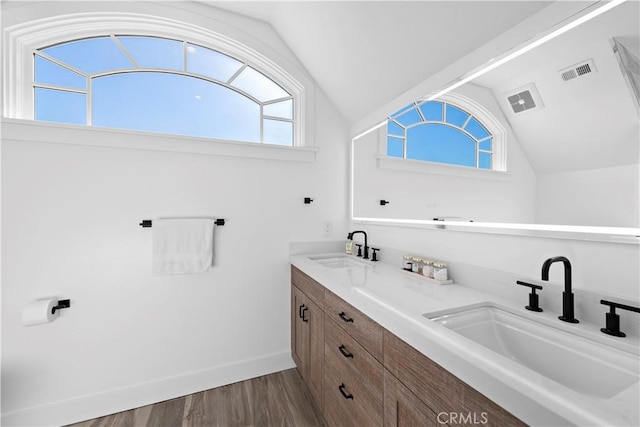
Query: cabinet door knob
x,y
344,351
341,387
345,318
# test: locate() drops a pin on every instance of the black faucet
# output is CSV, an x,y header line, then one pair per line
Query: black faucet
x,y
567,295
366,248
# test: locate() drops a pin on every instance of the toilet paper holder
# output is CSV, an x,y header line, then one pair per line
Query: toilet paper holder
x,y
63,303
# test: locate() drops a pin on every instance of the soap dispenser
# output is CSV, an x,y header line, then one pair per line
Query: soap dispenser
x,y
348,249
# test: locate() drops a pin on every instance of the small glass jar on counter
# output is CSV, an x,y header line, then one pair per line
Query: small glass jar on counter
x,y
440,271
407,262
417,265
427,268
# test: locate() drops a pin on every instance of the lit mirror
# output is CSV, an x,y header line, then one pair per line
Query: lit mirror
x,y
549,138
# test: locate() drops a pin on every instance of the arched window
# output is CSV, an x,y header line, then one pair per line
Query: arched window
x,y
161,85
444,131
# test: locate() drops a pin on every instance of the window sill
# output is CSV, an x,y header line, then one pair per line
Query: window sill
x,y
419,166
56,133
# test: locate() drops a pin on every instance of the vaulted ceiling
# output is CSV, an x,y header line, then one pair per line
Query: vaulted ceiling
x,y
364,54
586,122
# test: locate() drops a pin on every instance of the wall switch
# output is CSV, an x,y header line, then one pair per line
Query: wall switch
x,y
327,228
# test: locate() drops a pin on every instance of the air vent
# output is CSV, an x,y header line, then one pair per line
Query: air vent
x,y
523,99
578,70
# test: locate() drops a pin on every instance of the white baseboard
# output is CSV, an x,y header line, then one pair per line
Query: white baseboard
x,y
112,401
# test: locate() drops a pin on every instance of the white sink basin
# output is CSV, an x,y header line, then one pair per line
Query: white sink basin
x,y
338,261
581,364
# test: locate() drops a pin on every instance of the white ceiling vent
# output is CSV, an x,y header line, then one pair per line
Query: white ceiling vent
x,y
524,98
581,69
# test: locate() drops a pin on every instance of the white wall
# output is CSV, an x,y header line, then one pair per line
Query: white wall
x,y
70,217
599,197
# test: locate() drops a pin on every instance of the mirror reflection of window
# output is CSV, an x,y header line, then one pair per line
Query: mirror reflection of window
x,y
438,131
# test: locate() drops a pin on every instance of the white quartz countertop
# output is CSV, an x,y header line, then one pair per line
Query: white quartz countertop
x,y
397,300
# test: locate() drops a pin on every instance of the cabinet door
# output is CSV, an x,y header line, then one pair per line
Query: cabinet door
x,y
459,404
315,330
307,342
299,331
402,408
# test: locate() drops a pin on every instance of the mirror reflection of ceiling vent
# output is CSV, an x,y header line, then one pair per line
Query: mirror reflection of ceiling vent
x,y
525,98
581,69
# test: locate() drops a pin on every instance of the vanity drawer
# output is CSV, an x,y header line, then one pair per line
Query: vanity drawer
x,y
348,401
364,330
354,357
311,288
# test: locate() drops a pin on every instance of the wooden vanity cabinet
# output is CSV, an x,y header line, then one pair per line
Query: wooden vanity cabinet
x,y
360,374
441,391
402,408
307,333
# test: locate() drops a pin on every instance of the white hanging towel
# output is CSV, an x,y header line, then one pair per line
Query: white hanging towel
x,y
182,245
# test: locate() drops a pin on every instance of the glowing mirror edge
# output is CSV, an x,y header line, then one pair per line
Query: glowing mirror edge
x,y
616,234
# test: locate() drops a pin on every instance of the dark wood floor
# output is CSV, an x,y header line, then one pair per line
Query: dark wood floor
x,y
280,399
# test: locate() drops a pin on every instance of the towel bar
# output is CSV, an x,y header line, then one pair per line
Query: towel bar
x,y
146,223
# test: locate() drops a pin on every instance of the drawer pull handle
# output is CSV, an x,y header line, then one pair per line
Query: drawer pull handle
x,y
345,318
304,309
300,311
344,351
344,394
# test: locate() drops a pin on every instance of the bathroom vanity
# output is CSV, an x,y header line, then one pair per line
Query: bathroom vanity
x,y
372,343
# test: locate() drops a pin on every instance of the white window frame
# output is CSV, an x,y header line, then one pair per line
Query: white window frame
x,y
136,68
497,130
22,40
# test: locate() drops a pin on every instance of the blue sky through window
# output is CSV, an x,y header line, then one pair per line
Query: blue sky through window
x,y
211,63
432,111
153,52
50,73
258,85
60,106
90,55
409,117
394,129
199,92
485,145
484,160
476,129
184,105
439,132
394,147
440,143
277,132
282,109
456,116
